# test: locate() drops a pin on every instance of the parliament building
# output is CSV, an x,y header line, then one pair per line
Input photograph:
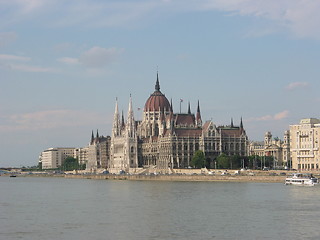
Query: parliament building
x,y
164,140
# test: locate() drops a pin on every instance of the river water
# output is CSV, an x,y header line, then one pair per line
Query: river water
x,y
58,208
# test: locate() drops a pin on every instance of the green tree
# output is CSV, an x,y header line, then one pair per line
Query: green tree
x,y
70,164
223,161
235,161
198,159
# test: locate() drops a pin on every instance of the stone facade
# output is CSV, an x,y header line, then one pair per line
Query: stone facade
x,y
277,148
54,157
304,144
98,153
166,140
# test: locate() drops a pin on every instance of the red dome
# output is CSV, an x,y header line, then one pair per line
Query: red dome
x,y
157,102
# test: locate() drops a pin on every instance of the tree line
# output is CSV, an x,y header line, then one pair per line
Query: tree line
x,y
224,161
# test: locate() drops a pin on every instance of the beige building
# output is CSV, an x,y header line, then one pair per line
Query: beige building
x,y
54,157
165,140
98,153
304,144
82,155
273,147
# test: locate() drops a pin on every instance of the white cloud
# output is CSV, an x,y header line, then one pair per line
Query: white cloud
x,y
10,62
68,60
49,119
29,68
299,17
276,117
295,85
7,57
95,57
281,115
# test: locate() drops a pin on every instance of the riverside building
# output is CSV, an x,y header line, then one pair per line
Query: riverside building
x,y
273,147
98,152
54,157
165,140
304,144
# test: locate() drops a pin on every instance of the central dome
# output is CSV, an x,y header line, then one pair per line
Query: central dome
x,y
157,101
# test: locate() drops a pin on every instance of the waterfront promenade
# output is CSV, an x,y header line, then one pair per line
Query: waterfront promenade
x,y
276,176
173,177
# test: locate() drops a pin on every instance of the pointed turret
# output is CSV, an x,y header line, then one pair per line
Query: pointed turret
x,y
116,121
130,120
241,126
122,121
198,116
189,110
92,138
157,87
171,106
231,122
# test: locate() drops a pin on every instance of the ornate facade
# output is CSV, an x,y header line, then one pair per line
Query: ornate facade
x,y
165,140
98,152
304,144
276,148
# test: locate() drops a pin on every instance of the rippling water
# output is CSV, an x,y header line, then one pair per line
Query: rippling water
x,y
58,208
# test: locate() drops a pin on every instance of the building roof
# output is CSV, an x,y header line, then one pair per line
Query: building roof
x,y
180,132
230,132
157,101
184,119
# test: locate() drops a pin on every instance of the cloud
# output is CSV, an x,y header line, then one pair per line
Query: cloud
x,y
299,17
10,62
68,60
295,85
281,115
49,119
29,68
95,57
276,117
7,57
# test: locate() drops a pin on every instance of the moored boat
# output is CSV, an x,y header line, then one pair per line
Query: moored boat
x,y
301,179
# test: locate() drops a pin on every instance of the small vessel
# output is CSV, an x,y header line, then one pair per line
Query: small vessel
x,y
12,175
301,179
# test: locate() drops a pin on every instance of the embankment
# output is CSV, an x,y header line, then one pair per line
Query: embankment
x,y
204,178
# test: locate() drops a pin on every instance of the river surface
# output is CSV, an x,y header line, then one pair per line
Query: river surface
x,y
57,208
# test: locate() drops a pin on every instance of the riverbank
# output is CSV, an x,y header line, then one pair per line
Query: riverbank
x,y
252,176
204,178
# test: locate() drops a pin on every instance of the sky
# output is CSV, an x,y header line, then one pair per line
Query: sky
x,y
63,63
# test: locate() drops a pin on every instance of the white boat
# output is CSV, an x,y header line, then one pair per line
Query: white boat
x,y
301,179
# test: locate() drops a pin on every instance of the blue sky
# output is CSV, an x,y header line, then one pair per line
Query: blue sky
x,y
63,63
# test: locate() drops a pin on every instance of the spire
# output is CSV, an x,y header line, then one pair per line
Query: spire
x,y
116,121
189,110
122,120
92,138
130,127
198,117
241,124
157,83
232,122
171,107
97,134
